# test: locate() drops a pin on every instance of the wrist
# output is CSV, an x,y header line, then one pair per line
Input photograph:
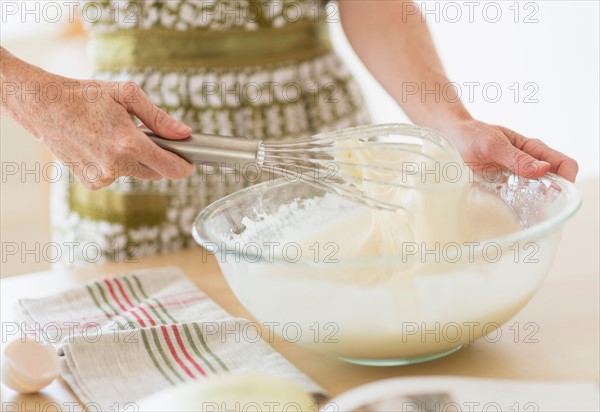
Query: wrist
x,y
20,85
444,120
451,118
28,93
434,111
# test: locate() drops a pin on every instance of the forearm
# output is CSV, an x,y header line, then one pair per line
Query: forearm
x,y
20,89
395,45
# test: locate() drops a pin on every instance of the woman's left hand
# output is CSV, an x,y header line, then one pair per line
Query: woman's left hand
x,y
484,146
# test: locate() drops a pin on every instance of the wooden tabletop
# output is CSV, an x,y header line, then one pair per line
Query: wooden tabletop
x,y
563,341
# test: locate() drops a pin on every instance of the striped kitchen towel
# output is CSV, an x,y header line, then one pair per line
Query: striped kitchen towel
x,y
128,336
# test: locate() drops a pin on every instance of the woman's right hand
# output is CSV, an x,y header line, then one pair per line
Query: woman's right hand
x,y
88,127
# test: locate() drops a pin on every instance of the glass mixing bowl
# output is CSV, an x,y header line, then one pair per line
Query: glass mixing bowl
x,y
380,310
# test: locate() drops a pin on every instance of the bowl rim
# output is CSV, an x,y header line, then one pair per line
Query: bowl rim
x,y
574,203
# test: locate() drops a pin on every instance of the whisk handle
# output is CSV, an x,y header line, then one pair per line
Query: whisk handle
x,y
211,149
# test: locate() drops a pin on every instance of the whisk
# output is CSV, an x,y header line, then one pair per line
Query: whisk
x,y
353,163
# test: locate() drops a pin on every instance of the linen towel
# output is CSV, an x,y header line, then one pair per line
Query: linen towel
x,y
125,337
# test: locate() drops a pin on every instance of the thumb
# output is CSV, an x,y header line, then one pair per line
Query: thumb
x,y
519,162
138,103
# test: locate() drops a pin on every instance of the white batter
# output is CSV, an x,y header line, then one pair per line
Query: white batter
x,y
441,208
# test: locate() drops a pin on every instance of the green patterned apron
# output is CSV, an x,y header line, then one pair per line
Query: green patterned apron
x,y
251,68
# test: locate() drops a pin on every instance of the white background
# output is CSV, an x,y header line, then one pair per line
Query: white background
x,y
560,53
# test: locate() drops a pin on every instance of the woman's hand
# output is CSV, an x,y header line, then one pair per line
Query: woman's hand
x,y
90,130
87,125
484,146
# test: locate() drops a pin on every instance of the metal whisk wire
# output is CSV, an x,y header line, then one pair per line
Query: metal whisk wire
x,y
323,160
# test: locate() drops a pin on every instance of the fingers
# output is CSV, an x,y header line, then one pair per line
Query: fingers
x,y
137,156
136,102
141,148
92,181
568,169
138,146
145,173
186,169
162,161
560,163
518,161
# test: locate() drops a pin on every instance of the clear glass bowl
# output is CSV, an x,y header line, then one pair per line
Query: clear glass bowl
x,y
373,310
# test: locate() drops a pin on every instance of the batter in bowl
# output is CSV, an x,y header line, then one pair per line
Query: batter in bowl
x,y
399,286
433,186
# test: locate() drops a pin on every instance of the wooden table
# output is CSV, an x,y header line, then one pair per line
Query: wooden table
x,y
566,311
